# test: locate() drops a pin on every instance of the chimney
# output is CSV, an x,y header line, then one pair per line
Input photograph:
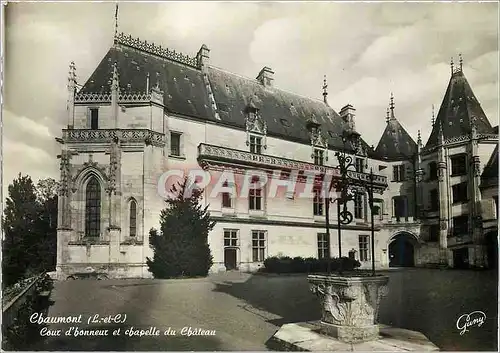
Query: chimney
x,y
347,113
265,76
203,56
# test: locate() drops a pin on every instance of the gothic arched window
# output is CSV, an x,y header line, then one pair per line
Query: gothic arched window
x,y
133,219
93,208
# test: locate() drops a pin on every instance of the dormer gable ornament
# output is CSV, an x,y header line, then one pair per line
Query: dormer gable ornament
x,y
254,123
318,140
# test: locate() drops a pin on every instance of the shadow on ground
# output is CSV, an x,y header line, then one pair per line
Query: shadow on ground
x,y
106,297
425,300
288,297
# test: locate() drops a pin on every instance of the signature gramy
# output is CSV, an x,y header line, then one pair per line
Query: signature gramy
x,y
469,320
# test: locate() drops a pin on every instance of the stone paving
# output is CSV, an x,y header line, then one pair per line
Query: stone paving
x,y
246,310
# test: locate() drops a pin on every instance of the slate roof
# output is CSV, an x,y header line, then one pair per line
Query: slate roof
x,y
185,93
184,90
285,113
459,107
491,168
395,144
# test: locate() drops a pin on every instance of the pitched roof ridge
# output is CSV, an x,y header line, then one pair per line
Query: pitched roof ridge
x,y
273,87
155,49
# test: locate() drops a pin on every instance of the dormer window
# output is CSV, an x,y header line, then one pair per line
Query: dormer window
x,y
256,128
319,156
255,144
319,143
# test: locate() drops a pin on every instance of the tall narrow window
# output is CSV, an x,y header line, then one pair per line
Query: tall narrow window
x,y
460,225
398,173
360,165
363,248
255,196
433,171
400,205
433,232
133,219
458,164
175,144
256,144
459,192
434,200
94,118
226,197
358,206
319,156
323,245
317,203
93,208
258,245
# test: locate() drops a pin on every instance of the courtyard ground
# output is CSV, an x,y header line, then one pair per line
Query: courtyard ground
x,y
245,310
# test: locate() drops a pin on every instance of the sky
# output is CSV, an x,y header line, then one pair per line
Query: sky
x,y
366,50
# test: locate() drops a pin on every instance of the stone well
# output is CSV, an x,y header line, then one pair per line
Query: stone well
x,y
349,305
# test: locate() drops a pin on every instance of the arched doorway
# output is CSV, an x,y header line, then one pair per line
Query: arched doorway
x,y
402,250
491,242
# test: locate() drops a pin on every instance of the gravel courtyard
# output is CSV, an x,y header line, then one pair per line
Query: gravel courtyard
x,y
245,310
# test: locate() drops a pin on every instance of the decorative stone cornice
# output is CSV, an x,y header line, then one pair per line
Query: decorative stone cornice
x,y
210,154
461,139
107,135
123,97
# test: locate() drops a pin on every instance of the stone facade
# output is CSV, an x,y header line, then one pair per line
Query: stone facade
x,y
121,143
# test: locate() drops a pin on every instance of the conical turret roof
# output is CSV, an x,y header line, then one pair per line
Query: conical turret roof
x,y
459,109
395,144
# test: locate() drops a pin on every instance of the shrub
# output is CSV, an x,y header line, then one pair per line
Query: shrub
x,y
180,248
285,264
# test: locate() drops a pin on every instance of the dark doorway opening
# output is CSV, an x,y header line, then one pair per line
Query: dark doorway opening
x,y
461,258
230,259
401,252
492,249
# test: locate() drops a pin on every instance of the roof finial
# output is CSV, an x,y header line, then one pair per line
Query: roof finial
x,y
392,106
72,74
461,61
451,64
440,134
157,86
419,138
432,119
116,22
387,116
115,84
325,92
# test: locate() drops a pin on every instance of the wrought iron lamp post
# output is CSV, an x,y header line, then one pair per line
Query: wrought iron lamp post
x,y
344,186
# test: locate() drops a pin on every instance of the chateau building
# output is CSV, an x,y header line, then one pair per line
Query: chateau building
x,y
147,110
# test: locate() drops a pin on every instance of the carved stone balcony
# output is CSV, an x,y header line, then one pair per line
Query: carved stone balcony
x,y
107,135
210,155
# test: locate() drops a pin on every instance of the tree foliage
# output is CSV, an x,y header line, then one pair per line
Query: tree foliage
x,y
181,246
29,223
